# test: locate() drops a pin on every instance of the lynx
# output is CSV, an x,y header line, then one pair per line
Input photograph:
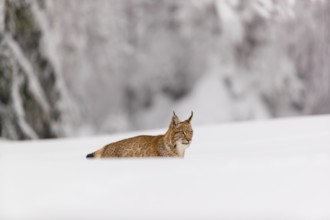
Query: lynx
x,y
172,144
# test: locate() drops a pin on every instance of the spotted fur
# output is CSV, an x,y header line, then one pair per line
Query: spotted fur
x,y
172,144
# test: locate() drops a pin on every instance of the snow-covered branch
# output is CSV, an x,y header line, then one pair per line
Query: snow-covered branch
x,y
33,82
18,106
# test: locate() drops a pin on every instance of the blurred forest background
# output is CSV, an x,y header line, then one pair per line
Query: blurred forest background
x,y
83,67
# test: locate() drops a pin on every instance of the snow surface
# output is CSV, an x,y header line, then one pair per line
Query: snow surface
x,y
255,170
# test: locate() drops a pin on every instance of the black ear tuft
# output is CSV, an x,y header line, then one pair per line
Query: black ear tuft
x,y
175,120
191,116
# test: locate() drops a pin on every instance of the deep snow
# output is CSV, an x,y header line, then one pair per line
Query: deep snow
x,y
254,170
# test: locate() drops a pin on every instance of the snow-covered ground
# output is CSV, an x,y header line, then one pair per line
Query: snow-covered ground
x,y
254,170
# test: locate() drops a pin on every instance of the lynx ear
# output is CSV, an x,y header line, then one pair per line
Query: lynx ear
x,y
175,119
191,116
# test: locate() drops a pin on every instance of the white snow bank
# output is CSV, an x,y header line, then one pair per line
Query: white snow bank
x,y
258,170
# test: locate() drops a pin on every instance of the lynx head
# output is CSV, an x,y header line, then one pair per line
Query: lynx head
x,y
181,133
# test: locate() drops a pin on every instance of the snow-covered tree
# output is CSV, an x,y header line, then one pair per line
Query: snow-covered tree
x,y
73,67
28,93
